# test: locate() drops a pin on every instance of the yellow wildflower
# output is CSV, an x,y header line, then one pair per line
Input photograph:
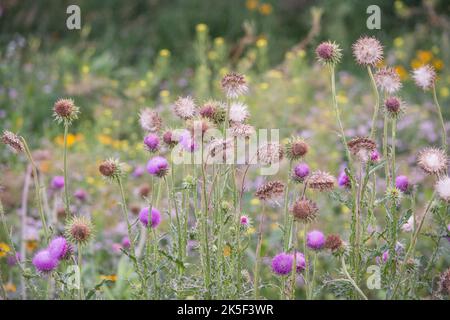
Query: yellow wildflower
x,y
31,245
265,9
438,64
444,92
201,27
112,277
403,74
164,53
10,287
424,56
251,4
261,43
226,251
4,249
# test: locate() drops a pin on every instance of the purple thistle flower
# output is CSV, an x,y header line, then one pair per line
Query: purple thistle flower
x,y
158,166
344,180
315,240
187,142
44,261
12,260
58,248
81,194
156,217
375,156
138,171
245,221
300,261
152,142
282,263
401,182
384,257
58,182
301,171
126,242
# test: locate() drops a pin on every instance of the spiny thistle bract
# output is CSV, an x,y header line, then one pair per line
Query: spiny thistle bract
x,y
432,160
79,230
65,111
234,85
111,168
329,53
296,148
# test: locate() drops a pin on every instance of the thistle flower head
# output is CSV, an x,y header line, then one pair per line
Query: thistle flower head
x,y
344,180
424,77
394,107
394,195
443,189
300,172
333,242
282,263
150,120
304,210
169,139
270,190
155,219
321,181
315,240
270,153
79,230
44,262
375,156
214,111
245,221
151,141
59,248
234,85
185,108
241,130
402,183
199,126
64,110
58,182
328,53
299,261
388,80
13,141
238,112
362,147
432,161
368,51
444,282
158,166
111,168
296,148
221,149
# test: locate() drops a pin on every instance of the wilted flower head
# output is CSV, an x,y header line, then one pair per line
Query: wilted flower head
x,y
424,76
388,80
333,242
169,139
368,51
158,166
111,168
270,190
155,218
241,130
443,188
64,110
444,282
329,52
234,85
58,182
432,160
199,126
300,172
59,248
321,181
150,120
238,112
214,111
362,147
315,240
185,108
270,153
304,210
12,140
296,148
44,261
282,263
151,141
79,230
402,183
394,107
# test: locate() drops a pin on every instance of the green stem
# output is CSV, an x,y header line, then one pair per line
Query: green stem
x,y
439,110
344,269
305,252
311,287
80,261
66,181
258,255
377,103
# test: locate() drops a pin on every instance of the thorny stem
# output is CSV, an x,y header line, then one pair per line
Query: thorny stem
x,y
66,181
377,103
344,269
80,261
258,254
294,263
207,270
311,286
305,229
439,110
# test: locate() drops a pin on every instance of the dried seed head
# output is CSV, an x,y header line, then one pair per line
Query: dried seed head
x,y
111,168
150,120
321,181
328,53
234,85
394,107
238,112
424,77
304,210
79,230
387,79
144,190
185,108
443,189
362,147
432,160
270,190
64,110
368,51
270,153
241,130
444,282
13,141
296,148
333,242
221,149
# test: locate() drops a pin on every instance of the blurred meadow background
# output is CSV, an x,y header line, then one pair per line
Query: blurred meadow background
x,y
145,53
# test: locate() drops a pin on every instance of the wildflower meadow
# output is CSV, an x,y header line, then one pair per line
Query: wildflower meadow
x,y
244,160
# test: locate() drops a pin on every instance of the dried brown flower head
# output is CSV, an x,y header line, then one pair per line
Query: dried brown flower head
x,y
444,282
321,181
110,168
304,210
296,148
270,153
79,230
270,190
432,160
333,242
12,140
362,147
64,110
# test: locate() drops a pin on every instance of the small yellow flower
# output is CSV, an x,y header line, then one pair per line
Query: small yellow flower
x,y
345,209
264,86
85,69
201,27
226,251
251,4
250,231
143,83
255,202
416,63
164,93
4,249
381,64
265,9
112,277
219,41
438,64
212,55
398,42
164,53
403,74
31,245
261,43
342,98
10,287
301,53
424,56
104,139
444,92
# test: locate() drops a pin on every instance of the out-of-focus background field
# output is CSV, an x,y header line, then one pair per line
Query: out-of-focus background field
x,y
132,54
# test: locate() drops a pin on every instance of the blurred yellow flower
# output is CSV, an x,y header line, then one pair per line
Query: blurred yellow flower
x,y
10,287
71,139
212,55
264,86
342,98
301,53
265,9
31,245
261,42
104,139
226,251
164,53
444,92
164,93
424,56
201,27
275,74
438,64
219,41
250,231
251,4
4,249
345,209
381,64
44,166
416,63
85,69
143,83
112,277
90,180
254,202
403,74
398,42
